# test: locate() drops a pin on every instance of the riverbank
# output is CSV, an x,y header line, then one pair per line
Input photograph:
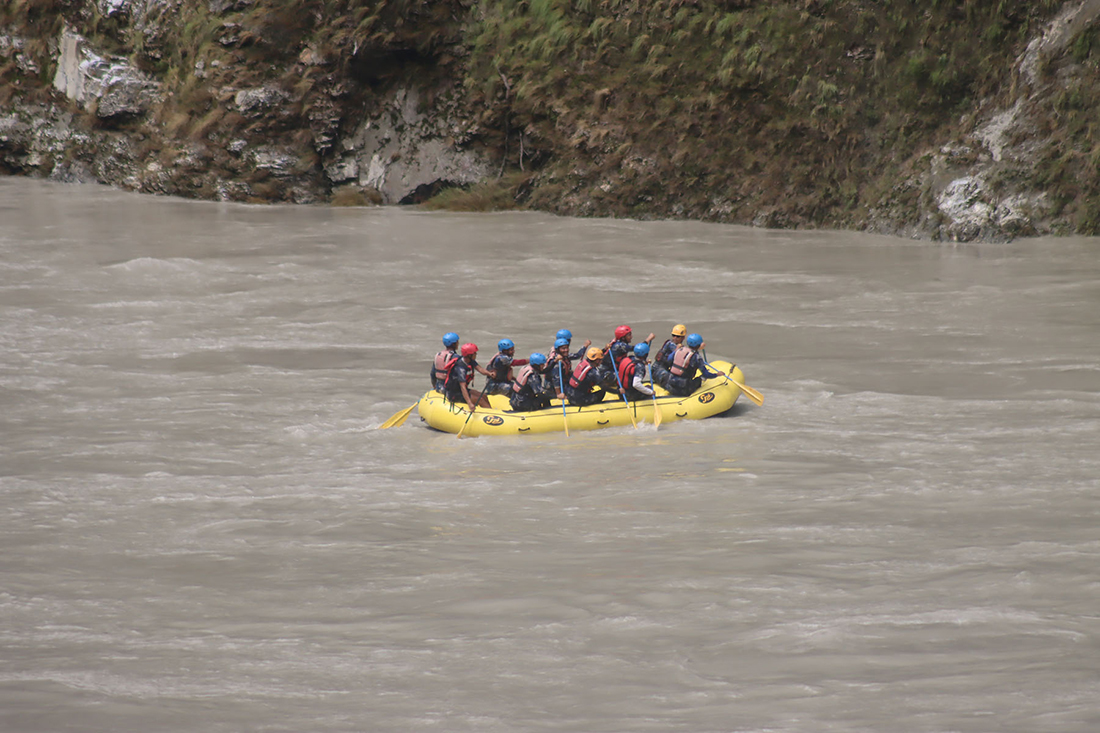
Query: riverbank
x,y
933,121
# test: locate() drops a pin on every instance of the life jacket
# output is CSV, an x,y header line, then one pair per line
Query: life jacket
x,y
450,374
499,371
627,368
521,378
566,363
615,353
680,361
442,365
664,356
580,373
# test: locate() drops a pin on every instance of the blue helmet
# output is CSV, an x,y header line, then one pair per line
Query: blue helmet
x,y
562,341
565,333
538,359
505,344
694,341
641,350
450,338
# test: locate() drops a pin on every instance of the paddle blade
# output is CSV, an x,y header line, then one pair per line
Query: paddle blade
x,y
398,418
751,393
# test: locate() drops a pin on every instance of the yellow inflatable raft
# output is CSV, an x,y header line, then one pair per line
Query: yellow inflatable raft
x,y
714,397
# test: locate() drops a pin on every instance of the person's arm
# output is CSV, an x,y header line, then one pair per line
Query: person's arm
x,y
640,385
649,339
466,396
703,368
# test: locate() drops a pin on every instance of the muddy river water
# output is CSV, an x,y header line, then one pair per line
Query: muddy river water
x,y
202,528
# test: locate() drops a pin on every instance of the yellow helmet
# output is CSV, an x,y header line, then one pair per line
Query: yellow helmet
x,y
679,330
594,354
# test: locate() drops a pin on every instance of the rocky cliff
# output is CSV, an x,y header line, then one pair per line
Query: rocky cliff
x,y
931,119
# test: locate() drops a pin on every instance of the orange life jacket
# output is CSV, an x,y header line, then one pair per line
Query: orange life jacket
x,y
680,360
580,373
521,378
566,362
444,360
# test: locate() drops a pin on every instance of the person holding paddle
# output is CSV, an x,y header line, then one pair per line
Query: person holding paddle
x,y
616,351
567,335
584,384
632,374
663,360
459,377
687,363
528,391
560,361
558,364
500,366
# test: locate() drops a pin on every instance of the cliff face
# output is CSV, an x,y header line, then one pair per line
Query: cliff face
x,y
929,119
1022,163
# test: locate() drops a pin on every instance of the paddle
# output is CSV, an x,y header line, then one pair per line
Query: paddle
x,y
622,391
656,407
751,393
397,419
460,432
561,386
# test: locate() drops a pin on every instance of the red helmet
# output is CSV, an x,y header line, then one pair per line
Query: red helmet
x,y
622,332
468,349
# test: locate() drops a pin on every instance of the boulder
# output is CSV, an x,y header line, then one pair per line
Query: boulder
x,y
109,85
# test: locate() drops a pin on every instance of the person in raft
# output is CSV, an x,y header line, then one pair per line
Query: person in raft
x,y
441,364
614,354
442,360
584,383
499,368
528,391
663,360
632,374
560,353
459,377
560,362
565,333
687,366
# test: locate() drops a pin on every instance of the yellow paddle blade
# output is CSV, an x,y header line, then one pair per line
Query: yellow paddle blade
x,y
397,419
656,413
751,393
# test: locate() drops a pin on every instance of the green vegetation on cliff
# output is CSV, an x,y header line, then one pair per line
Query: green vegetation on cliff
x,y
782,112
804,107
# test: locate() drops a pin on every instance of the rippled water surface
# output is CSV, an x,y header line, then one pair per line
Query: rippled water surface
x,y
201,528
